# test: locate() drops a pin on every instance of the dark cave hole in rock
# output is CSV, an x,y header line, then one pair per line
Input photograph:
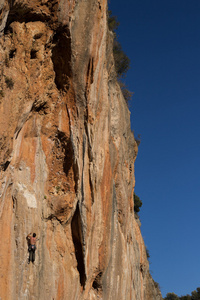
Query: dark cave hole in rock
x,y
61,58
33,54
40,107
5,165
68,151
21,13
37,36
68,161
77,240
8,30
12,53
97,283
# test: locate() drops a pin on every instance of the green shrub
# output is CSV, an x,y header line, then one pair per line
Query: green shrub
x,y
147,253
138,139
137,203
113,24
156,284
171,296
126,93
195,295
122,62
187,297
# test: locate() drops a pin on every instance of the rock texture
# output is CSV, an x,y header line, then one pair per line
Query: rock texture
x,y
66,158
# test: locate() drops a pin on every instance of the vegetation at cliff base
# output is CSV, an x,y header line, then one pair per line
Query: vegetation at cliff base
x,y
195,295
122,62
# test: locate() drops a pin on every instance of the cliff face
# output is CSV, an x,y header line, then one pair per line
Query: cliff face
x,y
66,158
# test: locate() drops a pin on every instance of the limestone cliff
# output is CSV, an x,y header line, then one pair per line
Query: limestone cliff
x,y
66,158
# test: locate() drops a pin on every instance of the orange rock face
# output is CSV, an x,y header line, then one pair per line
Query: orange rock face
x,y
66,158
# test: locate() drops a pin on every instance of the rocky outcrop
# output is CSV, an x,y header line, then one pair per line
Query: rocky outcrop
x,y
66,158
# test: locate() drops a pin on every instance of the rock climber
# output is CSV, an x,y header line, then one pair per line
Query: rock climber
x,y
31,238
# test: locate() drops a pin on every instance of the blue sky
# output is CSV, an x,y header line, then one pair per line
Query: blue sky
x,y
162,40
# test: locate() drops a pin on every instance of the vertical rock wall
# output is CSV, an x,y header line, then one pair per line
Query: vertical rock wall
x,y
66,158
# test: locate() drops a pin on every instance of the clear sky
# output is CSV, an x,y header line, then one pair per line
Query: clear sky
x,y
162,40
